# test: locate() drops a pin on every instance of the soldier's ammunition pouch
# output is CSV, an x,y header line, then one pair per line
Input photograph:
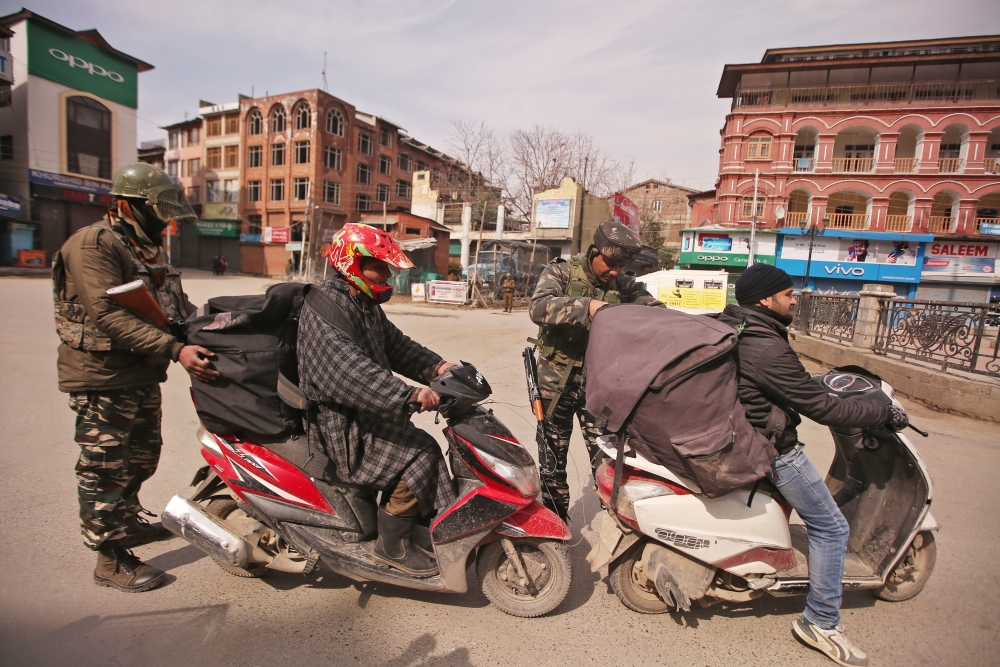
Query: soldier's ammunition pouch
x,y
73,326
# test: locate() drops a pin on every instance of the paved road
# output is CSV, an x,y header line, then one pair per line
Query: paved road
x,y
51,612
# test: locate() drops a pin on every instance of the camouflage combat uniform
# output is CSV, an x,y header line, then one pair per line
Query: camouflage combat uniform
x,y
561,308
111,362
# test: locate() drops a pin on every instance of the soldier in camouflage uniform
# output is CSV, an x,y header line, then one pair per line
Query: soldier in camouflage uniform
x,y
112,360
566,298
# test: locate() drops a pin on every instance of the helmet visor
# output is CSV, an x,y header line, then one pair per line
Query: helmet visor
x,y
170,203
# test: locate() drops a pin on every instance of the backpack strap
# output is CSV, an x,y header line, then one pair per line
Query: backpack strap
x,y
330,312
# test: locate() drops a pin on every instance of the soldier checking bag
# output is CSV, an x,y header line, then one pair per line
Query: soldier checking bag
x,y
563,305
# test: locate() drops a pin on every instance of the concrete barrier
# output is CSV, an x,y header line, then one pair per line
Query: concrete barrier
x,y
941,391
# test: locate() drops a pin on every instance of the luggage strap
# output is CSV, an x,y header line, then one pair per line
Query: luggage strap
x,y
330,312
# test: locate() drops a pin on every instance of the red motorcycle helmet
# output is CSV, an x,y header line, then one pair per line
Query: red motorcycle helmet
x,y
355,242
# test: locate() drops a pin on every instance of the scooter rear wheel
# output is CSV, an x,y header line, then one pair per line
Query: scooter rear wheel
x,y
911,574
631,585
548,565
226,510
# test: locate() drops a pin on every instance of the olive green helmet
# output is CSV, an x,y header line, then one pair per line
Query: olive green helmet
x,y
145,181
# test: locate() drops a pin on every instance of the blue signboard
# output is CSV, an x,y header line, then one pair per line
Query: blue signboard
x,y
855,255
71,182
251,238
10,206
991,228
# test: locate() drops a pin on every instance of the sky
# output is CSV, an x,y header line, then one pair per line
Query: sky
x,y
640,77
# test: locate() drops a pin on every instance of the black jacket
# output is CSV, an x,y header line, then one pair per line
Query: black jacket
x,y
770,374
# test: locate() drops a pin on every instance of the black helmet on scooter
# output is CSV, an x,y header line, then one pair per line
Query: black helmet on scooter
x,y
460,388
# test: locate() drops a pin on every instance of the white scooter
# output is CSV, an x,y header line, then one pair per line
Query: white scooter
x,y
667,545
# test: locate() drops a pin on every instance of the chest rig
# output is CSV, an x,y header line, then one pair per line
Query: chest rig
x,y
75,328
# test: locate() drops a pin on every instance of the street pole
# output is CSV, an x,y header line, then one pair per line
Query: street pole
x,y
753,220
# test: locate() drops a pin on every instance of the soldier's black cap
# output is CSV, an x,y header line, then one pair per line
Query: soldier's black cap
x,y
617,242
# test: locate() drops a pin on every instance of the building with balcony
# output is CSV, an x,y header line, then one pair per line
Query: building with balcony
x,y
311,160
894,142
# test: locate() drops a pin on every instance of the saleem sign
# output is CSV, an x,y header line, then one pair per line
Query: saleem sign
x,y
71,61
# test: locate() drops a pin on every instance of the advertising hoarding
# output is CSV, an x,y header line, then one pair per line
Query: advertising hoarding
x,y
991,228
960,258
10,206
626,212
852,258
74,182
69,60
446,291
6,67
226,211
552,213
726,248
417,292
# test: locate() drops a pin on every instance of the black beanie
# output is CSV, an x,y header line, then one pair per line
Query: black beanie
x,y
759,282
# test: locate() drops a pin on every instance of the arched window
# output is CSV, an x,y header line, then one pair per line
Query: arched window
x,y
364,203
255,122
278,119
759,147
303,117
88,137
335,122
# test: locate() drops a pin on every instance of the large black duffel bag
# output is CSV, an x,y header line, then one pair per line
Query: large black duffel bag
x,y
253,338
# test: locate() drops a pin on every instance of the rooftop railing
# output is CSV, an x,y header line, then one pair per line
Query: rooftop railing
x,y
947,92
897,223
848,220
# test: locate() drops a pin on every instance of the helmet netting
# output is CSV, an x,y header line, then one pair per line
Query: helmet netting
x,y
173,204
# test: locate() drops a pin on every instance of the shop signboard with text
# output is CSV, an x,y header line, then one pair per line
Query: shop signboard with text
x,y
626,212
277,234
73,62
723,248
960,259
852,258
218,228
222,211
446,291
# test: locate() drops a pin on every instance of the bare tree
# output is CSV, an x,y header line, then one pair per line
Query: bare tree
x,y
480,152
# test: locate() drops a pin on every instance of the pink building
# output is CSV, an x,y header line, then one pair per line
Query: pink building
x,y
890,137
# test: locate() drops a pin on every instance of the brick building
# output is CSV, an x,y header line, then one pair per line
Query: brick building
x,y
429,256
311,158
888,143
663,203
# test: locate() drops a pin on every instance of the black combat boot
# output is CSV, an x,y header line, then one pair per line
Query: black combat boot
x,y
139,531
394,548
120,568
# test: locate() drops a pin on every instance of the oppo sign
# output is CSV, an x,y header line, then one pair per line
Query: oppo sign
x,y
79,63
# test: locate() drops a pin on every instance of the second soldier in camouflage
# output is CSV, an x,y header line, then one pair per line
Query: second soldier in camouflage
x,y
563,305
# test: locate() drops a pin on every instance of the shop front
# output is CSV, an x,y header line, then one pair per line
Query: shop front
x,y
215,234
960,270
841,261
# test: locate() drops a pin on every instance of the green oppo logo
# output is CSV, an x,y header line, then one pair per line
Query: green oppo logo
x,y
75,62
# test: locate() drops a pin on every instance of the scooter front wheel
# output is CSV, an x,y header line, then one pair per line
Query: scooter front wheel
x,y
911,574
547,565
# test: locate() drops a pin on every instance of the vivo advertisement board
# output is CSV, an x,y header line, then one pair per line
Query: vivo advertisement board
x,y
853,258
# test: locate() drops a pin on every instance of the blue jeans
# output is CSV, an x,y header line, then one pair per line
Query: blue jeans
x,y
803,487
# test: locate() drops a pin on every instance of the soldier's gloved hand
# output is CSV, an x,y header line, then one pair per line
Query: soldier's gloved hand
x,y
596,305
195,360
898,421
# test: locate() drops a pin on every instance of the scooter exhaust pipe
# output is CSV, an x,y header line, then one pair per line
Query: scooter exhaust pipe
x,y
190,521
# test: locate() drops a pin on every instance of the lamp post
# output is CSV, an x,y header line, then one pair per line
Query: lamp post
x,y
805,305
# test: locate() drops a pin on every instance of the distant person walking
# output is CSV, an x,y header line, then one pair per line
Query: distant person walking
x,y
216,264
222,265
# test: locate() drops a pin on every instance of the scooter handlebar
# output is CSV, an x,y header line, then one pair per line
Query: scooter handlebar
x,y
923,433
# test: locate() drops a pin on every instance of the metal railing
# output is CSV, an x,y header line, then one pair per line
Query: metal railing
x,y
950,165
850,165
948,92
897,223
832,316
848,220
959,336
904,165
940,223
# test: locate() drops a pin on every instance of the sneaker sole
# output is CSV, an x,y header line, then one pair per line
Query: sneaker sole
x,y
822,648
110,583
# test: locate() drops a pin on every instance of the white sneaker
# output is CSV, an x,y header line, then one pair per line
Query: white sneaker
x,y
832,642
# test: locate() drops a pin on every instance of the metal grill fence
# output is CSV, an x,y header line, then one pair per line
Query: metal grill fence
x,y
833,316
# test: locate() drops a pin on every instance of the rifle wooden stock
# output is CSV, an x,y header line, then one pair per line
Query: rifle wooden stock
x,y
137,298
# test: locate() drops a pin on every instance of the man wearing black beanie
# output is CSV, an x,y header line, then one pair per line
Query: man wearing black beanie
x,y
774,389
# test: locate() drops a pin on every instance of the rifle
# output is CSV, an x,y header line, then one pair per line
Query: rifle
x,y
137,298
535,398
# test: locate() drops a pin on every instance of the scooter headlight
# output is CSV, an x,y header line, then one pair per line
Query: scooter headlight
x,y
524,478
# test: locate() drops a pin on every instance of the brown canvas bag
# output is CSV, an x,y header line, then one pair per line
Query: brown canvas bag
x,y
666,383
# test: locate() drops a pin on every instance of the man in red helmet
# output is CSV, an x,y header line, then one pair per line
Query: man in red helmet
x,y
363,418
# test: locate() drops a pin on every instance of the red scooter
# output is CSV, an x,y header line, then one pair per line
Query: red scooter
x,y
254,509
